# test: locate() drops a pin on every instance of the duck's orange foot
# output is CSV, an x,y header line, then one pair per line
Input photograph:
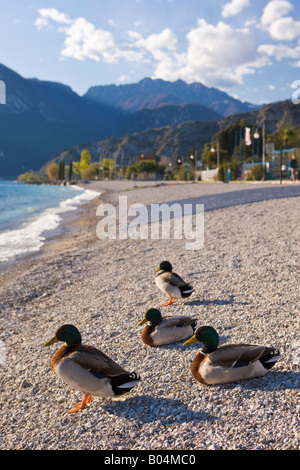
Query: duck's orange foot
x,y
82,404
169,302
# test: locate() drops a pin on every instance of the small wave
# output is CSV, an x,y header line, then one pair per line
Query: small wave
x,y
31,236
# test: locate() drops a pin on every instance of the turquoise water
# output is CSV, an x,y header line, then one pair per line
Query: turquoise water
x,y
29,212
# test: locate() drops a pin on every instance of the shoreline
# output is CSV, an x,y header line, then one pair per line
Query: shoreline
x,y
68,211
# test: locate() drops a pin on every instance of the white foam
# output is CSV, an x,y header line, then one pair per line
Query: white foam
x,y
31,236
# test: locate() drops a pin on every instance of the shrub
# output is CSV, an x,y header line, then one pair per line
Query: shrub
x,y
256,173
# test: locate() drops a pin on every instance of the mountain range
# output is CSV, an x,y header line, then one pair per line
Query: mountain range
x,y
151,94
43,119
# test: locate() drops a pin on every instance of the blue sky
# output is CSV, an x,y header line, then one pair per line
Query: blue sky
x,y
248,48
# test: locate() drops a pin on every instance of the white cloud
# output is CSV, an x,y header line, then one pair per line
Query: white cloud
x,y
217,55
84,40
280,51
111,22
41,23
275,10
234,7
155,44
275,21
285,29
124,78
52,14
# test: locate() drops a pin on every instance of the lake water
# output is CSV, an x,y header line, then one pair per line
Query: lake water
x,y
30,213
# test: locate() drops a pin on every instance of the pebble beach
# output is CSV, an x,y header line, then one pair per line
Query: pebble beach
x,y
246,280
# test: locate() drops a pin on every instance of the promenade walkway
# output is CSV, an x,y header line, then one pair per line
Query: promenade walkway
x,y
245,196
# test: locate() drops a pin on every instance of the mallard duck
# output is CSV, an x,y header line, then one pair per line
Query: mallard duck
x,y
87,369
166,330
230,362
171,283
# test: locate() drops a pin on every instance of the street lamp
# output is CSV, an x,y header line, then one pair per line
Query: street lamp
x,y
194,157
256,137
264,150
218,153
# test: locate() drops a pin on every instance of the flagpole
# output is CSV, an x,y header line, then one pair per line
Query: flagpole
x,y
245,151
264,150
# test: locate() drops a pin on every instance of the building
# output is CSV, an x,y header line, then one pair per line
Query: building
x,y
148,157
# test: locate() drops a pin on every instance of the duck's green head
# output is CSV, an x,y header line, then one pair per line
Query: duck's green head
x,y
164,266
206,335
66,333
153,316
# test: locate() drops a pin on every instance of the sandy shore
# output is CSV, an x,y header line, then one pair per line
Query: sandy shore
x,y
246,280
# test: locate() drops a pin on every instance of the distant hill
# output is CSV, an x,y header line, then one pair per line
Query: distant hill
x,y
275,115
165,141
150,94
167,115
176,140
41,118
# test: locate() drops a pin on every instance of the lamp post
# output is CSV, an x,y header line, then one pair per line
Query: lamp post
x,y
280,170
264,150
194,157
218,153
256,137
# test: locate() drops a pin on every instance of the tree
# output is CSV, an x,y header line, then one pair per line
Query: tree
x,y
108,164
85,161
91,172
186,171
70,171
31,177
61,170
108,167
52,171
76,168
142,167
288,136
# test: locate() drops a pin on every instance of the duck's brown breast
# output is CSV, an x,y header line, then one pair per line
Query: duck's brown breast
x,y
146,335
195,367
60,354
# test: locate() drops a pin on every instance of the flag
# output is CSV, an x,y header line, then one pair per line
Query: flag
x,y
247,136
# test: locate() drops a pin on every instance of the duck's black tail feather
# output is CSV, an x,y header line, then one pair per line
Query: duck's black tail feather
x,y
124,383
270,357
186,290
